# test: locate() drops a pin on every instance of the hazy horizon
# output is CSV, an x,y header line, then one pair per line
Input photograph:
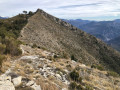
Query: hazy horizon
x,y
98,10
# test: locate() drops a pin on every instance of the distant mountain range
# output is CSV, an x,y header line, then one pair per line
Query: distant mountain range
x,y
105,30
3,17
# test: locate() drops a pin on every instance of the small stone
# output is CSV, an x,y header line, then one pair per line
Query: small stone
x,y
36,87
17,81
30,83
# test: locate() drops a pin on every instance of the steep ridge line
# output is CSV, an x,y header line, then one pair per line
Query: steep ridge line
x,y
56,35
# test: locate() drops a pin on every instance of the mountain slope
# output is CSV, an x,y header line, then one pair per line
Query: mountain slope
x,y
35,70
56,35
105,30
115,43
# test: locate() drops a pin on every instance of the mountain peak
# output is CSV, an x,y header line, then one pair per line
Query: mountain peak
x,y
55,19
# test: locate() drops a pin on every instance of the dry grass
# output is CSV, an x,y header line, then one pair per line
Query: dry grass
x,y
46,85
6,64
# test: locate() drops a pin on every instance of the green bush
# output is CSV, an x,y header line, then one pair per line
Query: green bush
x,y
73,58
9,32
74,75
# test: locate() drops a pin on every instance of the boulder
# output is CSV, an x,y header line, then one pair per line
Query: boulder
x,y
17,81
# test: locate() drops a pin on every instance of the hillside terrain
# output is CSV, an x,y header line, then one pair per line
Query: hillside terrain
x,y
39,69
115,43
56,35
104,30
41,52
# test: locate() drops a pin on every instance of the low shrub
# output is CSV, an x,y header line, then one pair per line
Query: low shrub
x,y
73,58
74,75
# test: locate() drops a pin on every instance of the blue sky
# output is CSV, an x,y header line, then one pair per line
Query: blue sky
x,y
67,9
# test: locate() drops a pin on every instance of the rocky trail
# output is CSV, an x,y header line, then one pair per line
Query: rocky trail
x,y
39,69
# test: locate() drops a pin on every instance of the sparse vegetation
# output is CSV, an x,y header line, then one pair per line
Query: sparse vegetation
x,y
73,58
34,46
97,67
87,87
74,75
64,55
9,32
112,73
73,85
2,57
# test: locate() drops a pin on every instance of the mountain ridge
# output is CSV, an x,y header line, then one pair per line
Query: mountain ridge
x,y
56,35
104,30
